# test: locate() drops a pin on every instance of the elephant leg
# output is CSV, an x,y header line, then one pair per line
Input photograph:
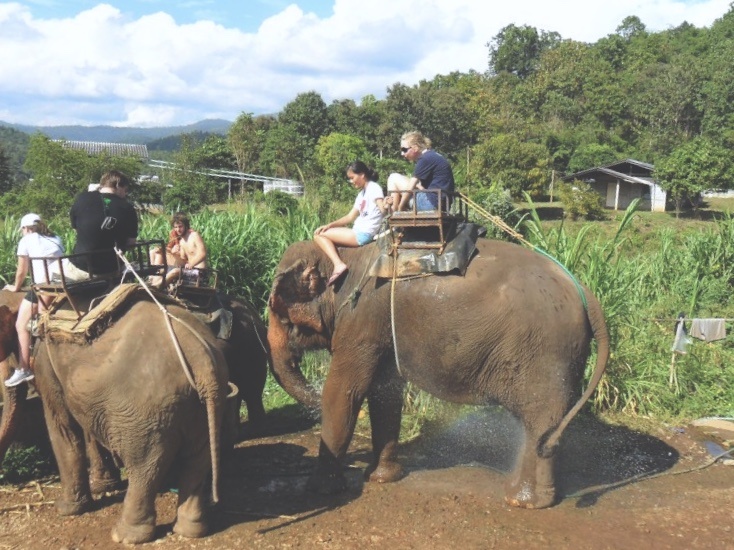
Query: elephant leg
x,y
253,396
385,407
344,391
137,523
193,494
532,483
255,425
67,442
104,475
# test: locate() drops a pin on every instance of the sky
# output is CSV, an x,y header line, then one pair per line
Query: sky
x,y
148,63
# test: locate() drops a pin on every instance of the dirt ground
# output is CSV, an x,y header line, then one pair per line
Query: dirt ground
x,y
621,488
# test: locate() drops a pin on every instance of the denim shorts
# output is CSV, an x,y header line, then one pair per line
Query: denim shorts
x,y
423,202
363,238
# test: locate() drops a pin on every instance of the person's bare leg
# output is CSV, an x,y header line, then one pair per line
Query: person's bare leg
x,y
328,241
25,311
329,248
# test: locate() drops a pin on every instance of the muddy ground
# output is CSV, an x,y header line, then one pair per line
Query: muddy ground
x,y
621,488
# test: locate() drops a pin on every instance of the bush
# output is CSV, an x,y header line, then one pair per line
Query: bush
x,y
581,201
281,203
498,202
25,464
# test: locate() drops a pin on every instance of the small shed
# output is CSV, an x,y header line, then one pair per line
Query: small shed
x,y
621,182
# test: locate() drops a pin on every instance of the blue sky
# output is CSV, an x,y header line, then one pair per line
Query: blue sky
x,y
246,15
162,63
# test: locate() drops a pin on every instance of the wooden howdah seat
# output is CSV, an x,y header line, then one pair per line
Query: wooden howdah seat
x,y
429,229
67,297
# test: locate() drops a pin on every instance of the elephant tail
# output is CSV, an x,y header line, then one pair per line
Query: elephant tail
x,y
209,390
601,335
213,414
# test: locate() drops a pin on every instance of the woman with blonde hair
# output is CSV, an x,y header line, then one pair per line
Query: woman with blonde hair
x,y
432,171
37,242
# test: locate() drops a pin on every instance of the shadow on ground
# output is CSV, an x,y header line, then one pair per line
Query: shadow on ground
x,y
265,476
592,458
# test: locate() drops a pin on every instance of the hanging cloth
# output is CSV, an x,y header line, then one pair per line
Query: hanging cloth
x,y
708,330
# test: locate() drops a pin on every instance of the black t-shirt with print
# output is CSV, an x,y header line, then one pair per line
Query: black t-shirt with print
x,y
102,221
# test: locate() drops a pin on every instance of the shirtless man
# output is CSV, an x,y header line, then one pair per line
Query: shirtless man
x,y
185,249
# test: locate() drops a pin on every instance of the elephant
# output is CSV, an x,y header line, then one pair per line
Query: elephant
x,y
9,303
245,350
247,354
152,392
515,330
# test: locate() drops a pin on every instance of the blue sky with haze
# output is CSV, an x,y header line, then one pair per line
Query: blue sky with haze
x,y
161,63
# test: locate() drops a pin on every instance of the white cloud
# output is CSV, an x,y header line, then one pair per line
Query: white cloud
x,y
102,67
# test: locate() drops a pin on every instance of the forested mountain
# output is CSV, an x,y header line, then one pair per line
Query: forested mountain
x,y
115,134
545,106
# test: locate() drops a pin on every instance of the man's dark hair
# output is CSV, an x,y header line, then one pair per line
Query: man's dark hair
x,y
180,217
114,179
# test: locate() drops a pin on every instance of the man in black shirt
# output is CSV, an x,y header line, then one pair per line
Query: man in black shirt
x,y
103,220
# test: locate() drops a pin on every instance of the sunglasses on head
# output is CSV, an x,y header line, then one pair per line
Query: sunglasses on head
x,y
404,149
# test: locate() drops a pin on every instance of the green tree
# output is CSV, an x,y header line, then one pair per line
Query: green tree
x,y
6,176
190,190
308,115
516,165
58,174
245,142
630,27
333,154
216,153
517,50
695,166
285,152
591,155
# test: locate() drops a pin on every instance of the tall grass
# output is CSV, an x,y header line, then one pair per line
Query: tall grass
x,y
642,291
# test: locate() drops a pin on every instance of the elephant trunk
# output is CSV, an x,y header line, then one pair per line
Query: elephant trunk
x,y
286,368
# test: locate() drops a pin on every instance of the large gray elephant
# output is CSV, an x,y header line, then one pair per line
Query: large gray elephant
x,y
130,391
515,329
245,350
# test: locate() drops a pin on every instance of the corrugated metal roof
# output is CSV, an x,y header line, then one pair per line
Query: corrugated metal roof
x,y
601,170
612,169
113,149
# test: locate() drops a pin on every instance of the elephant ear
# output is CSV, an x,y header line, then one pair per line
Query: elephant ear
x,y
299,284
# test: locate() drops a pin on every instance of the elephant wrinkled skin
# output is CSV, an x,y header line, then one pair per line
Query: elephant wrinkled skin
x,y
245,351
9,304
514,330
128,391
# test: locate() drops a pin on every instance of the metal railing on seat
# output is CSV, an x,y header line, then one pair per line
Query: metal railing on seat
x,y
450,209
61,287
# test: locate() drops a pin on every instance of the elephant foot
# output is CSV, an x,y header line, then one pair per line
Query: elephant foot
x,y
385,472
191,529
327,484
73,507
133,534
524,495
